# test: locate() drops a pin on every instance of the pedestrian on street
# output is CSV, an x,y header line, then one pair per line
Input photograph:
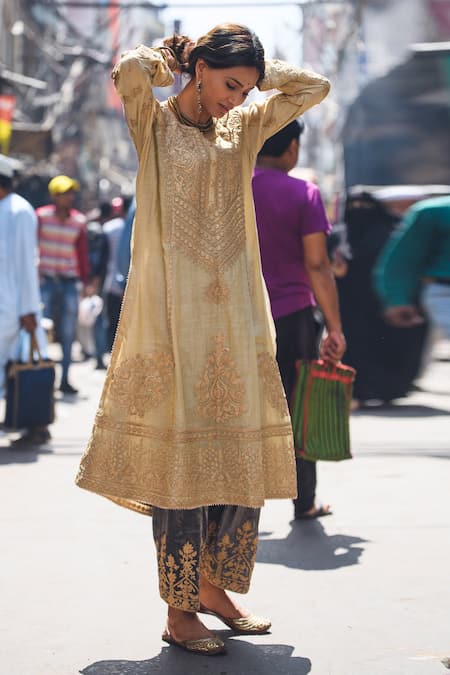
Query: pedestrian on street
x,y
414,267
63,264
98,254
19,285
193,421
386,358
112,289
124,251
292,227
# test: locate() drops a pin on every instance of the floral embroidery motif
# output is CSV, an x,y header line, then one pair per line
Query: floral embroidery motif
x,y
227,562
165,435
217,292
230,563
178,583
230,126
254,471
273,388
204,172
142,382
220,392
117,463
121,460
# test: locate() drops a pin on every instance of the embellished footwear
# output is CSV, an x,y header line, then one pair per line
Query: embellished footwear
x,y
208,646
247,625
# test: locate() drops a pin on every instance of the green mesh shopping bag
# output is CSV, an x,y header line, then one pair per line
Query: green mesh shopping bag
x,y
320,410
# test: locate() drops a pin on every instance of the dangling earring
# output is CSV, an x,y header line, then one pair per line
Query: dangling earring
x,y
198,85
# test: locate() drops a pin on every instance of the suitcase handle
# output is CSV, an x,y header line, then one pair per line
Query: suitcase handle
x,y
34,347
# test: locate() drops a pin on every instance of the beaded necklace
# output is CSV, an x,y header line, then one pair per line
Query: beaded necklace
x,y
175,108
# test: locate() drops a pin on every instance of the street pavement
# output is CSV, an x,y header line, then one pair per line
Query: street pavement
x,y
365,591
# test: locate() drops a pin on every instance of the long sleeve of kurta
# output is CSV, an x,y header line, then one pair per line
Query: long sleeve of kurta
x,y
28,299
134,75
299,90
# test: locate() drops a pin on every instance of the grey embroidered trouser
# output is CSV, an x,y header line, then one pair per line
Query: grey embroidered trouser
x,y
217,542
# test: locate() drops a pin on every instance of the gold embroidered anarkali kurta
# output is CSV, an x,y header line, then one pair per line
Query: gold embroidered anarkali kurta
x,y
193,411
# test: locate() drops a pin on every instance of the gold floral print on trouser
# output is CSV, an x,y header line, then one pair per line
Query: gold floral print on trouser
x,y
218,542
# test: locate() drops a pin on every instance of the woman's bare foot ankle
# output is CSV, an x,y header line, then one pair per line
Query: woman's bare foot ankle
x,y
216,600
186,625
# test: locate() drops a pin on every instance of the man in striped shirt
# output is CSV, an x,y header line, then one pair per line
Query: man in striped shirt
x,y
63,264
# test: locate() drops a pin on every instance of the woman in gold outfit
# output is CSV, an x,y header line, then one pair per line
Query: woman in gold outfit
x,y
193,426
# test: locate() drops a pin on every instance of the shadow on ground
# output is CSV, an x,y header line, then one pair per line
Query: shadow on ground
x,y
434,453
26,453
243,658
404,410
23,455
309,547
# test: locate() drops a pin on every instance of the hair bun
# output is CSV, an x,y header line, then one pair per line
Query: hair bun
x,y
181,45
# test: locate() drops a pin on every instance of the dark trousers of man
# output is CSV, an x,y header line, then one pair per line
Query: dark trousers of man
x,y
298,336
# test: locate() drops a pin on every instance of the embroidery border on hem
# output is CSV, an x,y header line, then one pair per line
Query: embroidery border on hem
x,y
127,428
103,489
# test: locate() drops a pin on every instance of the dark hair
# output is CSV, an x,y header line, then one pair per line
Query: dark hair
x,y
6,182
277,144
225,46
106,210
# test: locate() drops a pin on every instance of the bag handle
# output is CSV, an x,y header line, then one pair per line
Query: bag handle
x,y
34,347
322,368
331,365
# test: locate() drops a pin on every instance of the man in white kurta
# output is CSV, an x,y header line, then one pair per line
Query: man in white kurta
x,y
19,286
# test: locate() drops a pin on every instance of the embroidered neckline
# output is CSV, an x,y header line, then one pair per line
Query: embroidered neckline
x,y
172,102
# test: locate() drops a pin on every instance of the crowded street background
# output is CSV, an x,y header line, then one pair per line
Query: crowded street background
x,y
352,209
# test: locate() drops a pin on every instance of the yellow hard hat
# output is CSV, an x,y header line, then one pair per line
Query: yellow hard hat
x,y
60,184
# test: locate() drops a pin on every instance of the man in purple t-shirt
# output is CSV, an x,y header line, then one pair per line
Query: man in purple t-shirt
x,y
292,227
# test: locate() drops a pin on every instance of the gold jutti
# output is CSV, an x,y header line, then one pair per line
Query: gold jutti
x,y
193,411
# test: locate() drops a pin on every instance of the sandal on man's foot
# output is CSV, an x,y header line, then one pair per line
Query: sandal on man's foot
x,y
247,625
318,512
208,646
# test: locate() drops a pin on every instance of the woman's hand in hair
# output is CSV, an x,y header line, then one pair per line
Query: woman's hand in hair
x,y
178,49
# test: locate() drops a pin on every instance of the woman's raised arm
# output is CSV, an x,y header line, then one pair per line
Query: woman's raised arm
x,y
134,75
299,90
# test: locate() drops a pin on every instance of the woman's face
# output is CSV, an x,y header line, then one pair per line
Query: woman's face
x,y
223,89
